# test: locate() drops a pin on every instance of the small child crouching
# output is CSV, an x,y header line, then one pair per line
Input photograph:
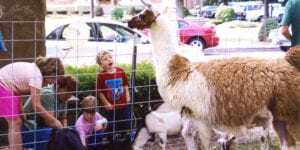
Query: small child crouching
x,y
90,124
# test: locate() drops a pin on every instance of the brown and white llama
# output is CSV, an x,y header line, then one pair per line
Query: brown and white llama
x,y
223,93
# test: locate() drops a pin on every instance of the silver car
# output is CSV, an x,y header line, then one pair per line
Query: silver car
x,y
78,42
277,38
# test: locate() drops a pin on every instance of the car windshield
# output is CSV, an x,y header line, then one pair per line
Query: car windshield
x,y
182,24
250,7
110,32
209,7
97,32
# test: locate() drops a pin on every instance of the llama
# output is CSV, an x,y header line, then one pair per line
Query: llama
x,y
223,93
162,122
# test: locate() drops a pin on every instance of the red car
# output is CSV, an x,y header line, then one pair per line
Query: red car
x,y
202,36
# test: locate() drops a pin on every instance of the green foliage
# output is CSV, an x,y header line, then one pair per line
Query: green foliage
x,y
130,10
225,13
264,30
241,24
145,89
186,11
85,12
62,12
117,13
99,11
49,12
86,76
75,12
215,21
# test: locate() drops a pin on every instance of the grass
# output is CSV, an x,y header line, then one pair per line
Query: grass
x,y
239,33
241,24
256,145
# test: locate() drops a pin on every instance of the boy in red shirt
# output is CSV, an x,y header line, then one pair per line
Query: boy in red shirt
x,y
112,88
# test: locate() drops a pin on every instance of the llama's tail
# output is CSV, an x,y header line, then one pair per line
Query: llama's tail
x,y
293,56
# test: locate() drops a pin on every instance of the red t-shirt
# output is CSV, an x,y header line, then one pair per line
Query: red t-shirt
x,y
112,86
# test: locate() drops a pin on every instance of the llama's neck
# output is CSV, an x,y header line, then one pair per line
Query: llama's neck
x,y
164,41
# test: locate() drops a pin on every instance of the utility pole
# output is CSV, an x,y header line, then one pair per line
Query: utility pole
x,y
92,8
266,14
179,8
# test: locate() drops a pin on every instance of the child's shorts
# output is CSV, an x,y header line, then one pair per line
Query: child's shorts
x,y
9,104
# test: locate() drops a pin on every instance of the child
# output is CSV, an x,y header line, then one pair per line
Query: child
x,y
20,78
90,124
112,88
54,99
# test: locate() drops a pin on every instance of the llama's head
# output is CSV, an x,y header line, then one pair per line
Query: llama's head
x,y
227,142
145,18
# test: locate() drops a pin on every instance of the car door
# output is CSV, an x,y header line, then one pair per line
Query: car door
x,y
78,44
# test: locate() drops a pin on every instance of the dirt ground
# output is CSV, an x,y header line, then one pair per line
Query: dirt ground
x,y
249,141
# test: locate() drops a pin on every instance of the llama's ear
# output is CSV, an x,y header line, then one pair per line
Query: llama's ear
x,y
165,10
147,4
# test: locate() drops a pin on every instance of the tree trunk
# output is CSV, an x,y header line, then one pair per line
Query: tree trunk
x,y
225,2
23,28
266,14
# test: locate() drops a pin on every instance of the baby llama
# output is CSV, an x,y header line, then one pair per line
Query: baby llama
x,y
163,121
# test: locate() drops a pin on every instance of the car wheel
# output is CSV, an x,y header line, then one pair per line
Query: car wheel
x,y
284,48
197,42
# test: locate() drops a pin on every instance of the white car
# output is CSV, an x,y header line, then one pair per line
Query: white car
x,y
275,10
277,38
78,42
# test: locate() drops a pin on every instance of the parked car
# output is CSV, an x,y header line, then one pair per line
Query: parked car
x,y
195,11
275,10
241,8
277,38
208,11
200,36
77,42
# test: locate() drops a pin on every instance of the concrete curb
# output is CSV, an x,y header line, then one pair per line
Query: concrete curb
x,y
221,50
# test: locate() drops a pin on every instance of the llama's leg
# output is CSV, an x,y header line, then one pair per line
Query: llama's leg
x,y
266,141
204,133
141,139
286,140
187,134
294,130
162,140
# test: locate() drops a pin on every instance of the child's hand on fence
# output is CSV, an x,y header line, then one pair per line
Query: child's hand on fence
x,y
109,107
100,124
98,127
58,125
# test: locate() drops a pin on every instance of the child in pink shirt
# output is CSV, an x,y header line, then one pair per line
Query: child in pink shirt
x,y
90,124
21,78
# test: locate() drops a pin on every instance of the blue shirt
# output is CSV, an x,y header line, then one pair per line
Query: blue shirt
x,y
292,17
